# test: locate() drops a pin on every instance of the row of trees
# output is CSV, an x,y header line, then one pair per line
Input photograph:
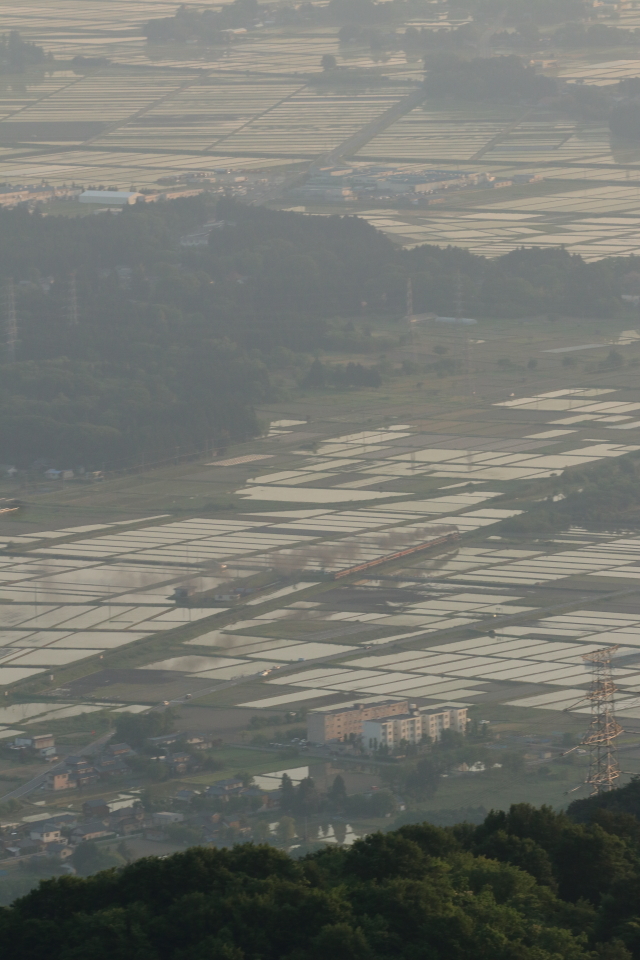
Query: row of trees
x,y
568,36
204,25
525,36
540,12
193,23
306,800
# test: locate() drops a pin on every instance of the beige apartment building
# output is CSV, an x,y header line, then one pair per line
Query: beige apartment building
x,y
339,723
413,727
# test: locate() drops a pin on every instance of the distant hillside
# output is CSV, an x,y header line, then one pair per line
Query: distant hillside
x,y
524,885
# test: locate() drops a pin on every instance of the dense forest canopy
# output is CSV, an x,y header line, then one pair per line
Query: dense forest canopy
x,y
495,78
600,495
175,345
528,884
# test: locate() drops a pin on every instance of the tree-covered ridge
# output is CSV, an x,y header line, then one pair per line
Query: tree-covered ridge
x,y
524,885
623,804
174,345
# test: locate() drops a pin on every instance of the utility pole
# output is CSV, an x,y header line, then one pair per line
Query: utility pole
x,y
604,769
10,321
73,300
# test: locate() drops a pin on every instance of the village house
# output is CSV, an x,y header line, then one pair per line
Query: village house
x,y
120,750
62,780
224,789
45,833
81,770
91,830
165,818
25,848
59,851
95,809
199,741
179,762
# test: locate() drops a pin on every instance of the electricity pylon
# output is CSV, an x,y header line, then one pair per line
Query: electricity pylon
x,y
603,728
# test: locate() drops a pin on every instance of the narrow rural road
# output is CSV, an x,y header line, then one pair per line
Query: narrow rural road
x,y
361,137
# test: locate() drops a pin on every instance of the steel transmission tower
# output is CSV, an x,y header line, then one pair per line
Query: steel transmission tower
x,y
409,300
603,728
10,321
73,300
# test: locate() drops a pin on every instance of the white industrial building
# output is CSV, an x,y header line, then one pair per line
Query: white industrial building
x,y
112,198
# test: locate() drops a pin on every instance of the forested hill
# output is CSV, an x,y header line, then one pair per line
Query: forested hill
x,y
171,345
524,885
